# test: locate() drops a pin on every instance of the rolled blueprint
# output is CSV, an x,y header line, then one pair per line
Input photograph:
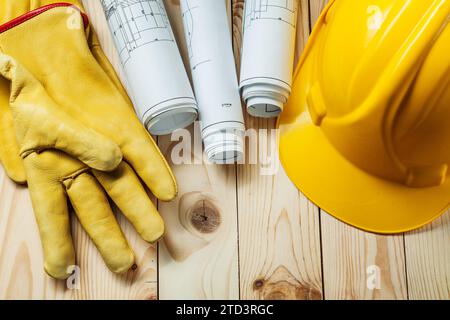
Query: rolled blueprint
x,y
214,76
268,55
158,81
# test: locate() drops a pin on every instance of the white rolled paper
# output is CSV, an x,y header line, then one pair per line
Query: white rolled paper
x,y
268,55
160,88
214,77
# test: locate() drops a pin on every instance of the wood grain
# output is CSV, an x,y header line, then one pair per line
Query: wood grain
x,y
351,257
315,8
303,29
198,258
428,260
232,232
20,249
279,241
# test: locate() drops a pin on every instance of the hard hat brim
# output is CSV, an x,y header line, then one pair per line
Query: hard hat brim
x,y
348,193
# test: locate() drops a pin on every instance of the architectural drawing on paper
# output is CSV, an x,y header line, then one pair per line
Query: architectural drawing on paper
x,y
281,10
137,23
188,20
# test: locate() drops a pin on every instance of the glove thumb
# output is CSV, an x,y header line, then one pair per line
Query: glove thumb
x,y
40,123
9,150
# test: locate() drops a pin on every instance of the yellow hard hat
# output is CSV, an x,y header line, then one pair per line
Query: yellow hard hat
x,y
366,132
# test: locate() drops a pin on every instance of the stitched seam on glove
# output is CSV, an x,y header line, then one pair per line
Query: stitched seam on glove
x,y
29,15
27,152
68,180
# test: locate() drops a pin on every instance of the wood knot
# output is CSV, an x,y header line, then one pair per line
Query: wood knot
x,y
205,217
282,285
258,284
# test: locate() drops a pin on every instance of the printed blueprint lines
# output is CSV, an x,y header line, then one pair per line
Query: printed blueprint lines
x,y
281,10
189,24
137,23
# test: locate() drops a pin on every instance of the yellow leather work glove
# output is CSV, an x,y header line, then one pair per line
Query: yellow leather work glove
x,y
10,9
41,125
61,57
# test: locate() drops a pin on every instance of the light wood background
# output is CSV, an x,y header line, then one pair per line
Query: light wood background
x,y
232,232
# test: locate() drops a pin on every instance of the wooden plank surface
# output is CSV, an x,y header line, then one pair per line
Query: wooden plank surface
x,y
198,258
361,265
279,241
428,260
232,232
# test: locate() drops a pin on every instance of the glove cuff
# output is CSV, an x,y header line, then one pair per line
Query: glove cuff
x,y
33,13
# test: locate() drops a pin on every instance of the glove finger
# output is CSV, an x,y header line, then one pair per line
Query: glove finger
x,y
50,207
95,215
9,149
147,160
104,63
157,177
40,123
126,190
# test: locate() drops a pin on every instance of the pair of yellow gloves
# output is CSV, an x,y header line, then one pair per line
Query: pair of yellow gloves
x,y
67,128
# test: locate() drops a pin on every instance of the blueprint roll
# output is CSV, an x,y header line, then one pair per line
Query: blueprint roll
x,y
268,55
216,87
158,82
